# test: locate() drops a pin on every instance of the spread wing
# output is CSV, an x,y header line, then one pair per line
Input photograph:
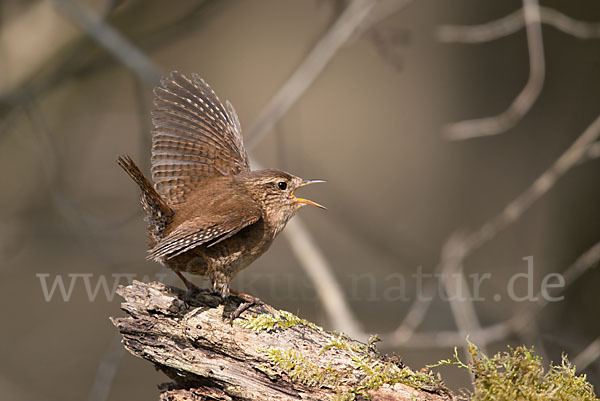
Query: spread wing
x,y
199,231
194,137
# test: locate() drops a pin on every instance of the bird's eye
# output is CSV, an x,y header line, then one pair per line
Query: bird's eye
x,y
282,185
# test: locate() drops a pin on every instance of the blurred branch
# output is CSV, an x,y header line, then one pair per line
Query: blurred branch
x,y
405,333
510,24
84,226
522,103
111,40
582,149
457,290
26,50
143,111
487,32
586,357
382,10
317,268
309,69
107,369
499,331
593,151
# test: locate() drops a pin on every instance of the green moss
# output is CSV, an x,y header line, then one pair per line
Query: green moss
x,y
519,375
301,370
344,343
282,320
366,372
376,373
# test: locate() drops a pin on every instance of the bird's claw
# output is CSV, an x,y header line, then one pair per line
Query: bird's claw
x,y
243,307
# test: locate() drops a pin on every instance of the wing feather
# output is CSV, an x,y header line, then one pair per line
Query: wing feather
x,y
195,137
198,232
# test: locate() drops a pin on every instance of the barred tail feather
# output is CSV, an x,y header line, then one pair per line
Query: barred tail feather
x,y
158,213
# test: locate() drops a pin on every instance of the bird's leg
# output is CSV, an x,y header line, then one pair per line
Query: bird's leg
x,y
250,301
191,287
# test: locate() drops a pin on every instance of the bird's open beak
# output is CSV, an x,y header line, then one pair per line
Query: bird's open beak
x,y
306,201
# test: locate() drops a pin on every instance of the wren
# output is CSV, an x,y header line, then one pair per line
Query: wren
x,y
207,212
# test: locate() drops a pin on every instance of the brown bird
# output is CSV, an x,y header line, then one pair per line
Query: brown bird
x,y
207,213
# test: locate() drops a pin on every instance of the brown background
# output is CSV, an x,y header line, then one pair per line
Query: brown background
x,y
370,124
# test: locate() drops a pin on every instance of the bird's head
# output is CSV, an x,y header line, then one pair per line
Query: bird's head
x,y
275,190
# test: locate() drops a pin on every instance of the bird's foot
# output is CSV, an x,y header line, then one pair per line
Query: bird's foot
x,y
244,306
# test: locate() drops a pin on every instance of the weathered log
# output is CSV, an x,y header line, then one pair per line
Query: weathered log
x,y
266,354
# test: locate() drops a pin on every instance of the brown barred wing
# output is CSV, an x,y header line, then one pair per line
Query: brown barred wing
x,y
197,232
195,137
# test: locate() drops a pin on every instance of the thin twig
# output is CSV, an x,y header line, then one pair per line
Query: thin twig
x,y
319,271
111,40
511,23
84,226
515,324
487,32
309,69
459,296
586,357
107,370
522,103
511,213
382,10
593,152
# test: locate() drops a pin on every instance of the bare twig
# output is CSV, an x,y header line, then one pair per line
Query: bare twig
x,y
513,210
593,151
457,290
511,23
112,40
487,32
309,69
413,319
382,10
318,270
499,331
81,223
28,42
107,369
539,187
520,106
586,357
579,29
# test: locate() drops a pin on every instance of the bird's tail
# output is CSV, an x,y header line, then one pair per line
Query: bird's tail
x,y
158,213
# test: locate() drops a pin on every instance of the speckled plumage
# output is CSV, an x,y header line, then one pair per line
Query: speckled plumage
x,y
207,213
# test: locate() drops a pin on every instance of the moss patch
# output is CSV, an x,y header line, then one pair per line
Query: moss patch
x,y
282,320
344,343
518,374
366,370
301,370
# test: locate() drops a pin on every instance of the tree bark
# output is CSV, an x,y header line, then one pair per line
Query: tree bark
x,y
264,355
